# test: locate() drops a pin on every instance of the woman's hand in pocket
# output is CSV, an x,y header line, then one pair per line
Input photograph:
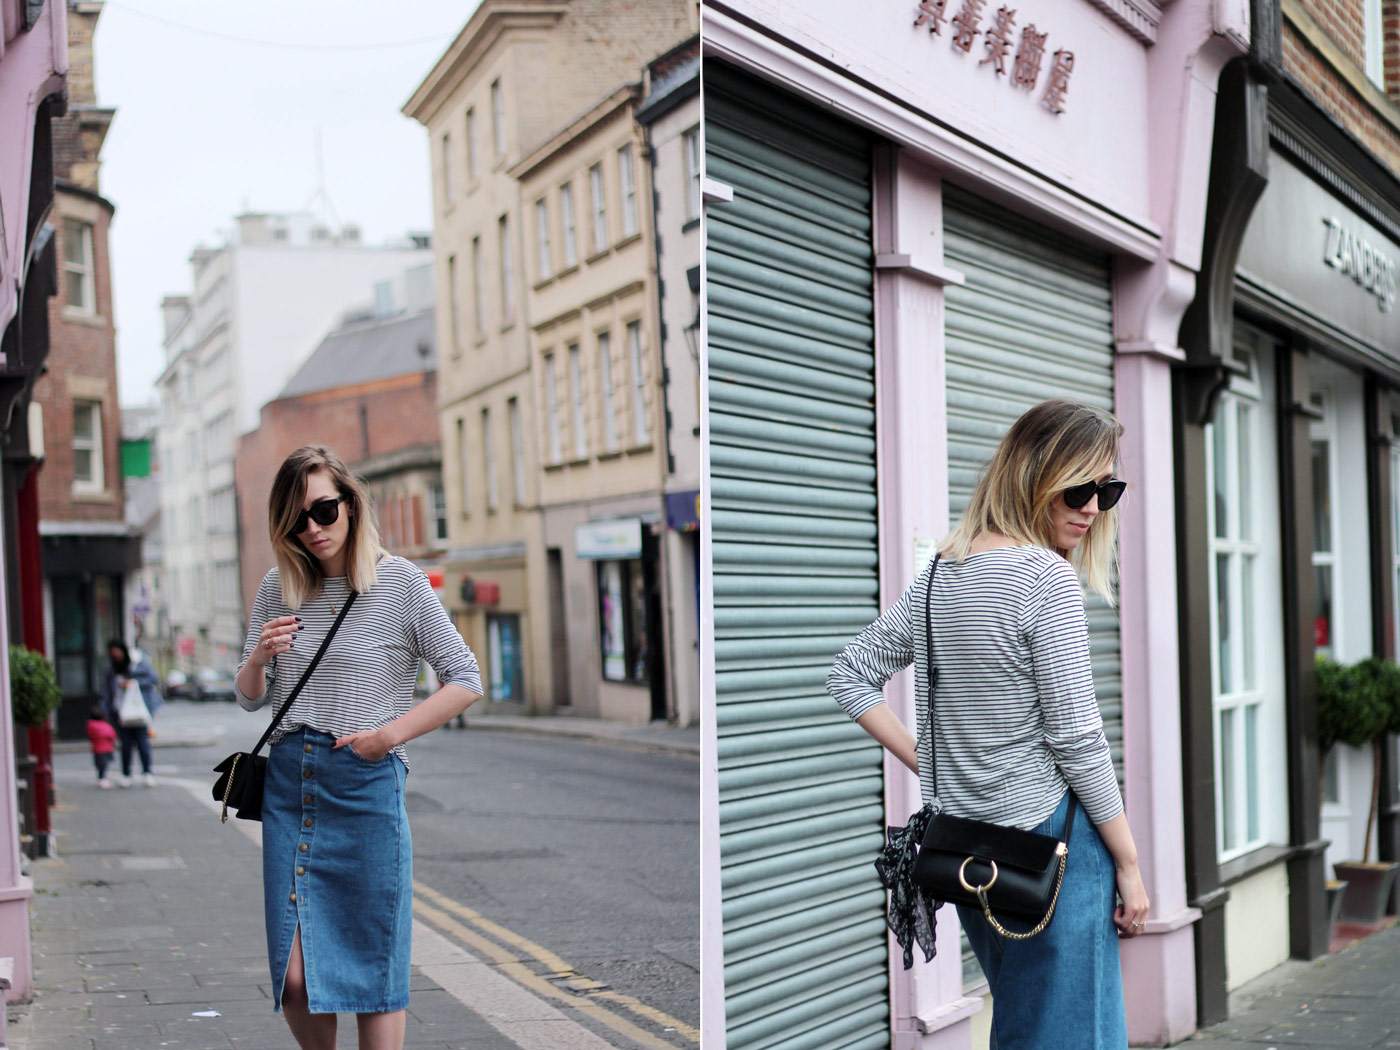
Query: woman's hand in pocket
x,y
369,744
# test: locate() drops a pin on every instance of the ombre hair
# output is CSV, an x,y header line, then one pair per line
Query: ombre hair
x,y
300,570
1052,447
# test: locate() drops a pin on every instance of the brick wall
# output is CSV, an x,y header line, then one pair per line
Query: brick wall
x,y
399,413
1324,52
82,363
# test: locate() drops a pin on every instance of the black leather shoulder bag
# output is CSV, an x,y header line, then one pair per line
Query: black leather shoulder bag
x,y
1001,870
240,783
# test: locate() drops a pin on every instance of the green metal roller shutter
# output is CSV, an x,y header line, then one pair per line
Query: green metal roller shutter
x,y
793,511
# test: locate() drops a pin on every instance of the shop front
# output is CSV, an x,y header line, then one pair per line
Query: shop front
x,y
913,236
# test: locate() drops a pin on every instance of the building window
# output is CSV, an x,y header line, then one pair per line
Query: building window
x,y
448,191
544,254
600,207
439,495
504,672
507,284
517,450
454,320
471,143
462,463
1324,554
605,391
570,227
478,306
1373,24
691,141
622,620
498,118
87,446
639,408
551,406
78,278
488,459
576,397
627,178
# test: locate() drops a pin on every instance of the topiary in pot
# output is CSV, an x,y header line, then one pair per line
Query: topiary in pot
x,y
34,692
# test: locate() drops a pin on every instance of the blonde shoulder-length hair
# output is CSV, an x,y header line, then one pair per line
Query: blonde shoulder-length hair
x,y
1052,447
299,570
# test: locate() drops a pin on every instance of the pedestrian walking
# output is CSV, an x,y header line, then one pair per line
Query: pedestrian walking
x,y
104,742
130,699
337,850
1011,733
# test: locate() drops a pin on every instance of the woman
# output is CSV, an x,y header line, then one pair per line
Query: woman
x,y
136,737
337,853
1017,724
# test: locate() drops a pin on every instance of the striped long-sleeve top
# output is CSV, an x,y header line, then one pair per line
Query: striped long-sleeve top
x,y
367,676
1017,720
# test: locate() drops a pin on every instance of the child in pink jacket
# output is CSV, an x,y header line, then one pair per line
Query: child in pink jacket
x,y
104,742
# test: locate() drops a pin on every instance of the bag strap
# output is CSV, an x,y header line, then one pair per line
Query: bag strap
x,y
306,674
932,708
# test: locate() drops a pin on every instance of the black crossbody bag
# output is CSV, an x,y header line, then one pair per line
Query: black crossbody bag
x,y
240,784
1001,870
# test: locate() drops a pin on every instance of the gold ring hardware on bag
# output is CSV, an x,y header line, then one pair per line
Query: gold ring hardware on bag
x,y
228,787
1063,852
979,890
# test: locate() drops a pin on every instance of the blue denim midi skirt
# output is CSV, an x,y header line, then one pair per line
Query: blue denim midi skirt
x,y
338,862
1063,988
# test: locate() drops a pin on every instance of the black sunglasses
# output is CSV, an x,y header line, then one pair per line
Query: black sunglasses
x,y
1109,493
323,512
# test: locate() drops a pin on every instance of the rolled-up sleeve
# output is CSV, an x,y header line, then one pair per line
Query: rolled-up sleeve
x,y
268,591
883,648
1057,630
436,639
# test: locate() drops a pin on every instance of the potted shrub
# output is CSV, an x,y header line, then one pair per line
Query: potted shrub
x,y
1358,705
34,692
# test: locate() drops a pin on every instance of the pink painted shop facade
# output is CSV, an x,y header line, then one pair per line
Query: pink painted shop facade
x,y
1089,123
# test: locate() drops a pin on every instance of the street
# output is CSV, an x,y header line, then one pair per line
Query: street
x,y
555,898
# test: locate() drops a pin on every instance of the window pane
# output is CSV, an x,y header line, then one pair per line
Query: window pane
x,y
606,382
1220,470
75,283
1322,496
1228,828
1244,491
1251,771
638,657
1224,642
610,620
1331,777
1247,628
1322,621
82,465
75,242
83,421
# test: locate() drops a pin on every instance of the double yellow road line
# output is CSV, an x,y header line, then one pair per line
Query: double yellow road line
x,y
561,982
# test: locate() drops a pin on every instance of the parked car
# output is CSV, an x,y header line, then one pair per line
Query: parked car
x,y
179,686
215,684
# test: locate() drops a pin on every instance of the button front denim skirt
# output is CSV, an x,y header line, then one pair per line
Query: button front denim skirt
x,y
338,862
1064,988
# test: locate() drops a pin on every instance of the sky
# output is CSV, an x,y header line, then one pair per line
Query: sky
x,y
219,106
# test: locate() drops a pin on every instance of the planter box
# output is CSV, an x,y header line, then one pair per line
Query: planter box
x,y
1368,889
1336,890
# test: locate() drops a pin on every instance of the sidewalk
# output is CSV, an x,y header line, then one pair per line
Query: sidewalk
x,y
1350,999
147,931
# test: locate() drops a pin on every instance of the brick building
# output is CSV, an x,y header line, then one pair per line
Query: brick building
x,y
368,392
87,546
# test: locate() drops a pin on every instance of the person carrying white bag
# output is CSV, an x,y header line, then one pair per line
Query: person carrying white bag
x,y
130,698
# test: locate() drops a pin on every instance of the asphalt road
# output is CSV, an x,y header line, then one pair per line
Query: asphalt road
x,y
586,849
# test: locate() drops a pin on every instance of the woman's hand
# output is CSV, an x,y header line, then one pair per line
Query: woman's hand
x,y
1131,915
369,744
277,636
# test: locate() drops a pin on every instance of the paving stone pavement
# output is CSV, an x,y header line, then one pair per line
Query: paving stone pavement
x,y
150,918
1350,999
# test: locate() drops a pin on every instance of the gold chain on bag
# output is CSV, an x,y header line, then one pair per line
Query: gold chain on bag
x,y
1039,927
228,787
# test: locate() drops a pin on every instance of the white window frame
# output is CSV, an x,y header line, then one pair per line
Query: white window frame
x,y
576,398
627,187
598,200
478,296
92,445
641,432
544,253
568,224
1325,429
690,142
507,271
488,460
517,450
603,343
80,270
470,132
551,407
498,118
1373,33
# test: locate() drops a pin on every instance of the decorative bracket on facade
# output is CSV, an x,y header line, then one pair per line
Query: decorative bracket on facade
x,y
917,266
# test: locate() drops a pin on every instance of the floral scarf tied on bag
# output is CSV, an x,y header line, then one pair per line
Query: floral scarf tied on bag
x,y
910,914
